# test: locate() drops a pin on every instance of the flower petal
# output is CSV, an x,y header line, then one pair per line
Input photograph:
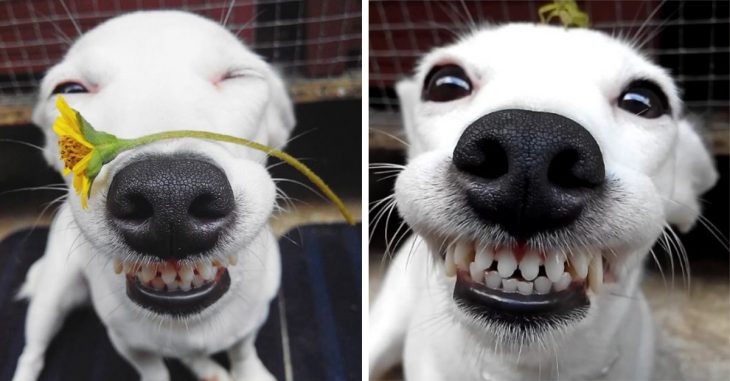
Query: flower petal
x,y
80,167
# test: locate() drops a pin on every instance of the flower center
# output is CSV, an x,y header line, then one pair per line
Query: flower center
x,y
72,151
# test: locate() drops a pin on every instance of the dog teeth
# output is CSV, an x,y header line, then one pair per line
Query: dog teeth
x,y
233,259
542,285
506,263
563,282
476,273
530,265
595,273
509,285
493,280
172,275
168,273
186,274
539,272
463,255
118,267
158,284
484,257
579,265
524,288
554,266
147,274
205,270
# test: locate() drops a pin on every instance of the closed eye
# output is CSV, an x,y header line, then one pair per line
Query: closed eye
x,y
69,87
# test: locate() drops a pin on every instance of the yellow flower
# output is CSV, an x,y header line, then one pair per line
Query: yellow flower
x,y
76,151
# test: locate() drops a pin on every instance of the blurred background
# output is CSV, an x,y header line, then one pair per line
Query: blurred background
x,y
316,45
690,38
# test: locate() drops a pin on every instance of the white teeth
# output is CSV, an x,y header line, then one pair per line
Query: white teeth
x,y
483,257
524,288
530,265
595,273
478,258
542,285
493,280
554,266
205,270
579,264
563,283
449,262
198,281
233,259
118,267
147,273
477,274
509,285
158,284
171,286
185,285
506,263
463,254
168,273
186,274
126,267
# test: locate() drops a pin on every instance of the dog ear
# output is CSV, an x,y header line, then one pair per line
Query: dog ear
x,y
407,90
688,174
279,116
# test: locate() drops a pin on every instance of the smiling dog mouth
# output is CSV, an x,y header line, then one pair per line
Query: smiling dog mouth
x,y
517,285
176,287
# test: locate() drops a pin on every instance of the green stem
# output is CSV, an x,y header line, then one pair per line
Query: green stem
x,y
131,143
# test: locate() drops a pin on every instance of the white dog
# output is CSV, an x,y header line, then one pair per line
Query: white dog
x,y
543,165
166,223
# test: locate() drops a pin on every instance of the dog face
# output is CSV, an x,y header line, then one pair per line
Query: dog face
x,y
171,215
543,164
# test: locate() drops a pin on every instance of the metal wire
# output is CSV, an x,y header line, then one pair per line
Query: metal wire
x,y
304,39
690,38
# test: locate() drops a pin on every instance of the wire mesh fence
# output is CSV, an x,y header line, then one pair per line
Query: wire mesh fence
x,y
690,38
312,42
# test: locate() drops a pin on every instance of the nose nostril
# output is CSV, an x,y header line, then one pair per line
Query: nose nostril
x,y
137,209
207,207
491,162
563,171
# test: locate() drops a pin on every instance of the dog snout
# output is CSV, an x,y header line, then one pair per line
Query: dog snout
x,y
528,171
170,207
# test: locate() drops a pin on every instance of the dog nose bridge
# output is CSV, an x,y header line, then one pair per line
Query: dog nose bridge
x,y
528,171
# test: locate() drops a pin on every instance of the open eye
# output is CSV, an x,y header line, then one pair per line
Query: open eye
x,y
69,88
446,83
644,99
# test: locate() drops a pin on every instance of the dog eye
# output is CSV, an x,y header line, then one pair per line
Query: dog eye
x,y
644,99
446,83
69,88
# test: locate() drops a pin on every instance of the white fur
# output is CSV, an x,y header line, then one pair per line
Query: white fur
x,y
658,167
152,72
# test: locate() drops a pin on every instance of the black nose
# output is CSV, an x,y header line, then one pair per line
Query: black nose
x,y
170,207
528,171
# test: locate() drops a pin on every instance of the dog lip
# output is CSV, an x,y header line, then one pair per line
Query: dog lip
x,y
179,303
516,308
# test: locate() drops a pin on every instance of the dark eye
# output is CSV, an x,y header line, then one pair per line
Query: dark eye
x,y
644,99
69,88
446,83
